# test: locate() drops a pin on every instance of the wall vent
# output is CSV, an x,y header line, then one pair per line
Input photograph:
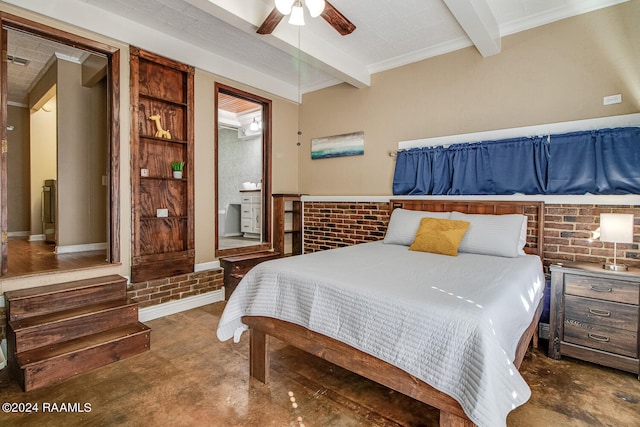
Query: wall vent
x,y
17,60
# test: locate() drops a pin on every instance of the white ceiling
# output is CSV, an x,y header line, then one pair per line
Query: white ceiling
x,y
40,54
219,35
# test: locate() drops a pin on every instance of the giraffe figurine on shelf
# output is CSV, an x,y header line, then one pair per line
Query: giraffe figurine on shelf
x,y
160,133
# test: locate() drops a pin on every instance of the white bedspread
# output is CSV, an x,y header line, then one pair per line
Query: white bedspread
x,y
453,322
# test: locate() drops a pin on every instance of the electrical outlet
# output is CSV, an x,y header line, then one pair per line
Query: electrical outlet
x,y
543,331
162,213
612,99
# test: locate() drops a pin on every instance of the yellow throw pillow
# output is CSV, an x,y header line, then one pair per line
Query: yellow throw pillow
x,y
439,236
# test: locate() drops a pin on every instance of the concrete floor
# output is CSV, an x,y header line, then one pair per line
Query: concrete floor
x,y
189,378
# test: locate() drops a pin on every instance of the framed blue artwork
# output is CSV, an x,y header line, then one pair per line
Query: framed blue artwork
x,y
348,144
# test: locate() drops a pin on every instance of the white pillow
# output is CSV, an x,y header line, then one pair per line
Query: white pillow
x,y
404,224
522,242
492,234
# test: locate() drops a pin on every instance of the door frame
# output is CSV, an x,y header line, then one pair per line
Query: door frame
x,y
266,243
9,21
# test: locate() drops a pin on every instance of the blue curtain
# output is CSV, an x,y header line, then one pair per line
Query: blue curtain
x,y
475,177
604,161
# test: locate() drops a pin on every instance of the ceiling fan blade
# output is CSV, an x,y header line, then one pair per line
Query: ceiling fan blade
x,y
337,20
271,22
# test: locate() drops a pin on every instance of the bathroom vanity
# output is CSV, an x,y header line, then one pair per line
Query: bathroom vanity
x,y
251,213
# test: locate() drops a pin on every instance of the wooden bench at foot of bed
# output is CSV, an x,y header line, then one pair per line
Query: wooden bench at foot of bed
x,y
345,356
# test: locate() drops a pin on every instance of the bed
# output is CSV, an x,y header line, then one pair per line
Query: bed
x,y
420,323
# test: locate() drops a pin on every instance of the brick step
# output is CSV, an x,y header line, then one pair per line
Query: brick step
x,y
52,364
65,325
42,300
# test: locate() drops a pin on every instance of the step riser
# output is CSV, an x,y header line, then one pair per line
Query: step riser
x,y
58,369
58,331
44,304
72,328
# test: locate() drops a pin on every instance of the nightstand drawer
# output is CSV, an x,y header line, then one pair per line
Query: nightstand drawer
x,y
604,313
611,340
600,288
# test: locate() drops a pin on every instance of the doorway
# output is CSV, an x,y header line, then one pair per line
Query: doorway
x,y
59,171
243,172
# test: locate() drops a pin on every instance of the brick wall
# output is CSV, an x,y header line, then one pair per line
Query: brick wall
x,y
568,231
159,291
567,237
567,234
335,224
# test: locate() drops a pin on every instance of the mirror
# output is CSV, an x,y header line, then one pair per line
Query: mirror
x,y
59,136
243,199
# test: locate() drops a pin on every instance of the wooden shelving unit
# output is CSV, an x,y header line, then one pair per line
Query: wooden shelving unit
x,y
287,224
162,206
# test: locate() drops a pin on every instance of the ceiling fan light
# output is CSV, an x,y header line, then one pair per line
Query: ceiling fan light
x,y
315,7
297,15
284,6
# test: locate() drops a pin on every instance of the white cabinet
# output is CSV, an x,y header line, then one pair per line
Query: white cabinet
x,y
251,213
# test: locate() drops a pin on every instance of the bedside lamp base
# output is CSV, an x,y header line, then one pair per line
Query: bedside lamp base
x,y
615,267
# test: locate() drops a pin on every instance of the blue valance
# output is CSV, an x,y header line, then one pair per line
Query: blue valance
x,y
604,161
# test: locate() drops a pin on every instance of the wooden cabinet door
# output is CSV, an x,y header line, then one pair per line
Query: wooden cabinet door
x,y
162,133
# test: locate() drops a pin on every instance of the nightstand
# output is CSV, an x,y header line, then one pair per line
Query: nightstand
x,y
235,267
595,315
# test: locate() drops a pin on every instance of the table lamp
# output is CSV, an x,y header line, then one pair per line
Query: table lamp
x,y
616,228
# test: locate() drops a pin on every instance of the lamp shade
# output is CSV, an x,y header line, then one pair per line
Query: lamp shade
x,y
284,6
297,14
616,228
315,7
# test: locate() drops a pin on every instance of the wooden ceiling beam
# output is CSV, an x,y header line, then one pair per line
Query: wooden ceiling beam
x,y
337,20
271,22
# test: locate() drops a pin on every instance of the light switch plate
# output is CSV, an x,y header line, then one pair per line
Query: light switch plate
x,y
144,172
612,99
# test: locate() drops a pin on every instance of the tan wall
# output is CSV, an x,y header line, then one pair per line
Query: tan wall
x,y
554,73
18,190
82,159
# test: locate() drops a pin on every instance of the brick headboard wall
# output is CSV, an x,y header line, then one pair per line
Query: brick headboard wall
x,y
567,233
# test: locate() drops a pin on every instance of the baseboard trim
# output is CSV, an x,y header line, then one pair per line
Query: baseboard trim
x,y
204,266
68,249
173,307
18,234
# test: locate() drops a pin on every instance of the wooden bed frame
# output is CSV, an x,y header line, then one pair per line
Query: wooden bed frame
x,y
338,353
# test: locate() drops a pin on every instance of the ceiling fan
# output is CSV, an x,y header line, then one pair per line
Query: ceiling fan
x,y
316,8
